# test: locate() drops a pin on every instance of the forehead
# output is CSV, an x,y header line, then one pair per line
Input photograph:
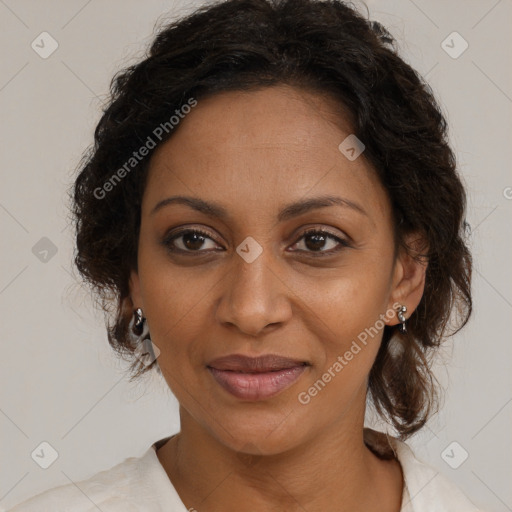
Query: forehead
x,y
262,149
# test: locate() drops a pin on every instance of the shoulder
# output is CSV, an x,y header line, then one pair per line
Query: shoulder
x,y
135,484
104,488
426,488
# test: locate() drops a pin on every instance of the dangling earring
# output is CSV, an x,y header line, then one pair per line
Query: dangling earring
x,y
144,349
138,321
400,314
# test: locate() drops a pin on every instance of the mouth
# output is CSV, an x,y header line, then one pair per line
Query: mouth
x,y
256,378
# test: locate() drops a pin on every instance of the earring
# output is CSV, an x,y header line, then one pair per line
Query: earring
x,y
144,349
400,314
138,321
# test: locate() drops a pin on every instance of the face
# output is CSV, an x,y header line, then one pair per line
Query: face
x,y
268,269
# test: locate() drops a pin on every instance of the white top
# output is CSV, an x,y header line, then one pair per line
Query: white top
x,y
140,484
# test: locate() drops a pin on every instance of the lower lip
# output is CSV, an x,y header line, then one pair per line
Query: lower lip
x,y
256,386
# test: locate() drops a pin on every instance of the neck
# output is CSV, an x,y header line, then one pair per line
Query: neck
x,y
333,467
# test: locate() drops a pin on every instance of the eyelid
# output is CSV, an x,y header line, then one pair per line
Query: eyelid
x,y
322,230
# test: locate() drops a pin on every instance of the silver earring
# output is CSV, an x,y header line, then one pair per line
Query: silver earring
x,y
144,349
400,314
138,321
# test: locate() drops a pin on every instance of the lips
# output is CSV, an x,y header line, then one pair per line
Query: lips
x,y
256,378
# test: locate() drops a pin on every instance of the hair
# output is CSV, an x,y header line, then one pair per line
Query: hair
x,y
326,47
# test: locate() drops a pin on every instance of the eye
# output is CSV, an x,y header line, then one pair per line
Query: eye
x,y
314,240
196,241
189,240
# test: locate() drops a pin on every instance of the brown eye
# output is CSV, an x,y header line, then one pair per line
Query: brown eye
x,y
316,240
189,240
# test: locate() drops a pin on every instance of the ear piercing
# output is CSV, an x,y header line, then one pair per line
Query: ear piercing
x,y
400,314
143,347
138,321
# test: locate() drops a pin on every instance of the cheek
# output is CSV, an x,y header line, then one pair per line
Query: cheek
x,y
343,362
175,321
174,302
348,320
176,328
349,301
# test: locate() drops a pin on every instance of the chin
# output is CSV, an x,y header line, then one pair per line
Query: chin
x,y
259,432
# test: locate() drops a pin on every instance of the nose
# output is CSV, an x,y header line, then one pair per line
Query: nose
x,y
254,297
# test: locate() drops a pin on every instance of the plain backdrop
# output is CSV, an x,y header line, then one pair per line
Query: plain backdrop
x,y
60,383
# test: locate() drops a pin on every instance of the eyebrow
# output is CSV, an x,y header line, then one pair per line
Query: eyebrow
x,y
215,210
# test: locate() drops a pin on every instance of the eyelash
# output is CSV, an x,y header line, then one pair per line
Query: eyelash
x,y
168,241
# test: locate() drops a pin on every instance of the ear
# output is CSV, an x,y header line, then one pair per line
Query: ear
x,y
135,292
409,273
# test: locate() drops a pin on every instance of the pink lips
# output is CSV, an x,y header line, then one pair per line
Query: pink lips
x,y
256,378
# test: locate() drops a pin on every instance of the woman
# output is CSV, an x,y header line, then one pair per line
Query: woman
x,y
273,203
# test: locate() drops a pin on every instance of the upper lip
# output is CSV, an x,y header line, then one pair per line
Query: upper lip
x,y
265,363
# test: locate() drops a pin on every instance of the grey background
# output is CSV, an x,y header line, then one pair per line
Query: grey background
x,y
59,380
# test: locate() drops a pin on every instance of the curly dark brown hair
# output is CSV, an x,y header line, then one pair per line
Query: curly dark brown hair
x,y
322,46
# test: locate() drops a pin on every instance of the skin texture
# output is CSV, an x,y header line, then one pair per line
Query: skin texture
x,y
254,153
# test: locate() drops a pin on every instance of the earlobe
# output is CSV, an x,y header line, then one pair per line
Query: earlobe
x,y
409,277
